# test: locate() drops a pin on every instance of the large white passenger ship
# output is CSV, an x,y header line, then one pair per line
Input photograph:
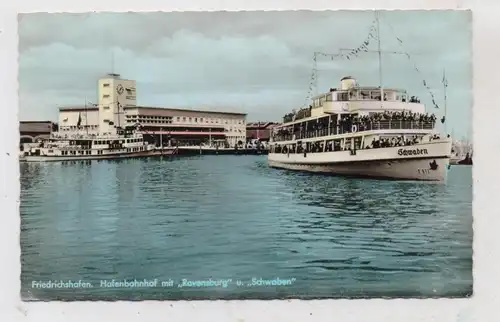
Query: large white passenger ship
x,y
89,147
362,131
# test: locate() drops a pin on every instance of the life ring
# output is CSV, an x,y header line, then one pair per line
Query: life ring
x,y
354,128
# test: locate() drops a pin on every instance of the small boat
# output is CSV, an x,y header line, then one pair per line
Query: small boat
x,y
461,153
90,147
467,160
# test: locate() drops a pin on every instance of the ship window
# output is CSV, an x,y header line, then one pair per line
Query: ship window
x,y
357,143
329,98
342,97
364,95
375,95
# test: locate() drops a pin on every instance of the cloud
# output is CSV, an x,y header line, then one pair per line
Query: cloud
x,y
257,61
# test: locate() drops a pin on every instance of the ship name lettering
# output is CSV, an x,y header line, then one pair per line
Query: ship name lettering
x,y
405,152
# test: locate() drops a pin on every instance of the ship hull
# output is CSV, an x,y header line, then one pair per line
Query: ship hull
x,y
424,162
141,154
418,169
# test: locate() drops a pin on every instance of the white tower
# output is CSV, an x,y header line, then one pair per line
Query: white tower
x,y
114,94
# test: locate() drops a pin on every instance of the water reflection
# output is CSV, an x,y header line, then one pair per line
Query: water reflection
x,y
226,216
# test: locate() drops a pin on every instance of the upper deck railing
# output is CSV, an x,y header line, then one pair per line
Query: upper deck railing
x,y
284,135
301,114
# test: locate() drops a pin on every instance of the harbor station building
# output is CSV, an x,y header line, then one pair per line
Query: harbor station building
x,y
117,108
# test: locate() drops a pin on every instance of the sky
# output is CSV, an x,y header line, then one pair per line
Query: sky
x,y
254,62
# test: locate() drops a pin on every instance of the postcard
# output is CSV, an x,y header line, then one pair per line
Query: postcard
x,y
246,155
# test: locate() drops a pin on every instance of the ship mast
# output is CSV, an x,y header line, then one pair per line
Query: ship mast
x,y
445,85
86,117
379,56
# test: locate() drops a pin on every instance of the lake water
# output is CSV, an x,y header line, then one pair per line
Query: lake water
x,y
233,218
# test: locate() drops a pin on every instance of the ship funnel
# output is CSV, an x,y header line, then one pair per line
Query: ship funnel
x,y
347,83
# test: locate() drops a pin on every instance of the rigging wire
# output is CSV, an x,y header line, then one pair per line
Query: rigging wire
x,y
424,82
364,48
313,85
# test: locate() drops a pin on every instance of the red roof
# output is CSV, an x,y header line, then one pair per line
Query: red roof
x,y
261,125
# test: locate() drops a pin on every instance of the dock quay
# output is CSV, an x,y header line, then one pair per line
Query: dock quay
x,y
164,151
207,150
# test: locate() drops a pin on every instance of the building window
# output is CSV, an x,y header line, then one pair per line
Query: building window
x,y
105,85
189,119
105,96
184,119
196,119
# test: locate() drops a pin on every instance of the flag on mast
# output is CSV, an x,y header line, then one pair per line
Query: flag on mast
x,y
445,84
445,81
79,120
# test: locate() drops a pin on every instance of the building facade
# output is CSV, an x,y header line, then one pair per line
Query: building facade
x,y
79,120
260,130
30,131
190,127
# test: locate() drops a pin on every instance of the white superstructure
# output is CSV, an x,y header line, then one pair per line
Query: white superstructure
x,y
362,131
